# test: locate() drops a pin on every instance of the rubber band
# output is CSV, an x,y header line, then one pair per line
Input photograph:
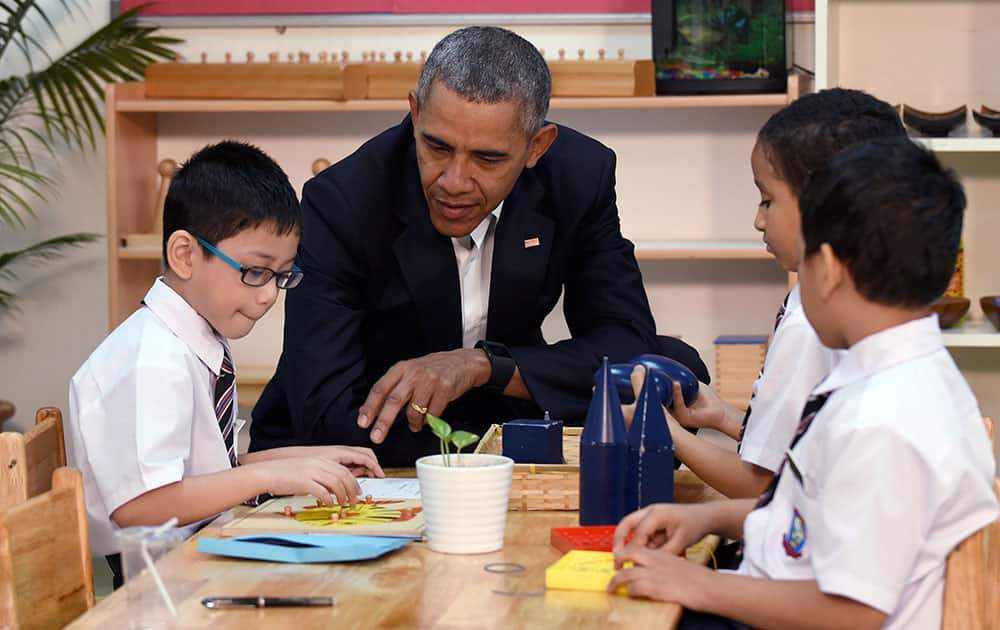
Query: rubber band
x,y
519,593
504,567
706,549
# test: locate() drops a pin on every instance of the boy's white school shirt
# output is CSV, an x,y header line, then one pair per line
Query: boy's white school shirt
x,y
895,470
796,362
141,409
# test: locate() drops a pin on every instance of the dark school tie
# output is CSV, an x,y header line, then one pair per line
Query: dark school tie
x,y
225,388
777,320
813,405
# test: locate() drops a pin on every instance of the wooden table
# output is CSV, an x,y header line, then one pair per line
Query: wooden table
x,y
413,587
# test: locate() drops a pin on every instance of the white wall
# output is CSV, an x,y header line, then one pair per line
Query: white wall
x,y
681,174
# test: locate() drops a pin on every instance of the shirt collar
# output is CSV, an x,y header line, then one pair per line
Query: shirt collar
x,y
479,234
181,319
883,350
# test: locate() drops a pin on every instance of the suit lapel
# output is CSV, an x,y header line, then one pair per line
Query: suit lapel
x,y
427,262
521,250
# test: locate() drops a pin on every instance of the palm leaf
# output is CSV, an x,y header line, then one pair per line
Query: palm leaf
x,y
45,251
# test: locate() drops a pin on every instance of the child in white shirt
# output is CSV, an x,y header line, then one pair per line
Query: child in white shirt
x,y
890,467
153,409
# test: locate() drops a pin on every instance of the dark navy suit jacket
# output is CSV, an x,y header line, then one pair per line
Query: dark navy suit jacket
x,y
381,285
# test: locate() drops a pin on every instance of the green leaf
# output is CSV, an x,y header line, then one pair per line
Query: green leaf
x,y
461,439
439,428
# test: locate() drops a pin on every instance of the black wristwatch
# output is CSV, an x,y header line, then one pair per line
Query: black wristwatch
x,y
501,365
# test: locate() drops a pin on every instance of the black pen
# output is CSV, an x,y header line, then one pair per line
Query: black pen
x,y
265,602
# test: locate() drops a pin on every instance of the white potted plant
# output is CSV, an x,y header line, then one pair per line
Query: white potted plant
x,y
464,496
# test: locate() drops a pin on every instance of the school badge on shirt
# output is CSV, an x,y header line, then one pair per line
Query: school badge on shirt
x,y
795,539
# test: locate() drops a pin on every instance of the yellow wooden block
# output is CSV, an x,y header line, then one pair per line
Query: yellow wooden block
x,y
581,570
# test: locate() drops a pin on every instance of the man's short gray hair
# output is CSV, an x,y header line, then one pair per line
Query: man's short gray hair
x,y
487,64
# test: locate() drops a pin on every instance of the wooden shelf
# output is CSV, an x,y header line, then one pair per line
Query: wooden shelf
x,y
700,250
972,333
132,99
970,144
143,252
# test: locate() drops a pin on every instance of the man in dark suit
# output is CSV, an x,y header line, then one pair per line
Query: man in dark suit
x,y
435,251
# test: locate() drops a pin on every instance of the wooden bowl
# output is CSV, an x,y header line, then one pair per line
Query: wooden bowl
x,y
988,119
934,124
950,310
991,309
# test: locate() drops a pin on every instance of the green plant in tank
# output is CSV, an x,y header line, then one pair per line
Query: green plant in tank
x,y
56,103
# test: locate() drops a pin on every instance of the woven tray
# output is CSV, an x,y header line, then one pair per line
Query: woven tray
x,y
542,486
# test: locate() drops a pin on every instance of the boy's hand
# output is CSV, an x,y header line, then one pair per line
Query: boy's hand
x,y
361,461
707,411
320,477
666,527
660,576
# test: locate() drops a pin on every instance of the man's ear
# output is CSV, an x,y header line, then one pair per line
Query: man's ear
x,y
182,247
540,143
832,273
414,106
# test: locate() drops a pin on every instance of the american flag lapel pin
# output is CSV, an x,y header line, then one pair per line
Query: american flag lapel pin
x,y
534,241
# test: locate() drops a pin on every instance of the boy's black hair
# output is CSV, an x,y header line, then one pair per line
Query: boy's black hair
x,y
801,137
892,214
226,188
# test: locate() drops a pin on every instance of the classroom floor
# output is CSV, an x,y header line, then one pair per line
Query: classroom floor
x,y
102,574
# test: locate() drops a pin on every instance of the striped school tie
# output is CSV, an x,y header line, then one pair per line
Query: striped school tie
x,y
777,320
225,388
813,405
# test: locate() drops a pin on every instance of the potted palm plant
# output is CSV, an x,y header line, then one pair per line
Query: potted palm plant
x,y
464,496
56,103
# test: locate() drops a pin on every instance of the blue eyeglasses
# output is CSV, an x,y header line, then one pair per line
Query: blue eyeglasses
x,y
258,276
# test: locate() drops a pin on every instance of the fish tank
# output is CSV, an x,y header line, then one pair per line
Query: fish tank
x,y
719,46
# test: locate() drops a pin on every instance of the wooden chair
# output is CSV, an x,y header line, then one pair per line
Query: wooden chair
x,y
29,459
972,577
46,578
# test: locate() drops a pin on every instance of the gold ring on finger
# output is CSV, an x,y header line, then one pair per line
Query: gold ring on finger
x,y
421,410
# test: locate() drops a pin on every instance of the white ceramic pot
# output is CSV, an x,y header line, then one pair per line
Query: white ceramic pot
x,y
465,504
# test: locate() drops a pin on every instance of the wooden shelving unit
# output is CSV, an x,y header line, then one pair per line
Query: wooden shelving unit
x,y
972,333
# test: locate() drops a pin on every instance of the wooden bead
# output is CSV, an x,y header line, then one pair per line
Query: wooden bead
x,y
272,57
344,56
562,54
204,57
580,54
323,56
167,168
397,56
319,165
600,54
288,510
249,57
409,56
229,57
621,53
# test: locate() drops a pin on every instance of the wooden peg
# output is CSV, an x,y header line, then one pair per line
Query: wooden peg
x,y
323,56
344,56
364,57
409,56
291,57
621,54
333,56
600,54
319,165
229,57
303,57
562,54
423,56
381,56
204,57
167,169
177,57
397,56
272,57
249,57
579,54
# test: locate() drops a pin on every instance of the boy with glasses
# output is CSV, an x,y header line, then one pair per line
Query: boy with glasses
x,y
152,419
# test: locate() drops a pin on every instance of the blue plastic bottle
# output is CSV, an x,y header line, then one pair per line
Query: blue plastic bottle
x,y
650,452
603,456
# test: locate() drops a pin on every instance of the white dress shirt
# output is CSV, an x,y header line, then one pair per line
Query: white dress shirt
x,y
796,362
141,409
474,255
895,470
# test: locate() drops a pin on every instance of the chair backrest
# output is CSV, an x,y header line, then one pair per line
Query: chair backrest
x,y
29,459
46,577
972,577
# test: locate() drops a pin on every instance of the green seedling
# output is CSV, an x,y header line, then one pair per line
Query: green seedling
x,y
460,439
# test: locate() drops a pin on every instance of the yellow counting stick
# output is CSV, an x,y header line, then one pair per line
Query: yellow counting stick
x,y
581,570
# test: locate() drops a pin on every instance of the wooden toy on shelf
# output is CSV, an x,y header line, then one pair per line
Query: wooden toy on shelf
x,y
292,80
601,76
154,239
382,79
738,361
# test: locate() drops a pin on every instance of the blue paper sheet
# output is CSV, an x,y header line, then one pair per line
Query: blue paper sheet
x,y
301,548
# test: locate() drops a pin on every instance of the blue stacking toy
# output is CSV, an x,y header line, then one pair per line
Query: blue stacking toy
x,y
650,452
603,455
621,374
675,371
534,441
